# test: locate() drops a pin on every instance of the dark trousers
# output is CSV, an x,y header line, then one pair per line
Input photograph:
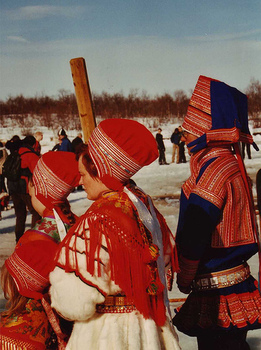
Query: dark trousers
x,y
2,184
223,340
22,202
182,157
247,147
162,159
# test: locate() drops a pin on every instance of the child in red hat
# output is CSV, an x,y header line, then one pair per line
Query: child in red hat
x,y
29,322
110,273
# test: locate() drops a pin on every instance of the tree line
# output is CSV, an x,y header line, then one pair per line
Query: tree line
x,y
52,111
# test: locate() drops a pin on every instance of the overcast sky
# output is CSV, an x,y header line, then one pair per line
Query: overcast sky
x,y
155,46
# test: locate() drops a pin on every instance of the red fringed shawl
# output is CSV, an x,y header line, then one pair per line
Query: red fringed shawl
x,y
112,224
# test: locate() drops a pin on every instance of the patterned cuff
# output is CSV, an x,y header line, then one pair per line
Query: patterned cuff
x,y
188,270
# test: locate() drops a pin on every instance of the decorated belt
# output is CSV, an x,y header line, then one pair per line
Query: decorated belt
x,y
222,279
116,304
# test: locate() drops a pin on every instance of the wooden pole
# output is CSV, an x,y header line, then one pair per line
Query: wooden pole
x,y
83,96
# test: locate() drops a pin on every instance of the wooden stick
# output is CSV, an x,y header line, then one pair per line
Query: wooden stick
x,y
83,96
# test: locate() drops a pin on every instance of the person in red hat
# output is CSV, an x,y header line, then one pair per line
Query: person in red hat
x,y
29,322
217,230
18,190
110,269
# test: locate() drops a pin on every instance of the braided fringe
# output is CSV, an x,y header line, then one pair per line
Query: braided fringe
x,y
126,251
115,224
8,343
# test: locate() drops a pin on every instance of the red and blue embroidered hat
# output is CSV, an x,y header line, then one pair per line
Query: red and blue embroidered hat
x,y
217,113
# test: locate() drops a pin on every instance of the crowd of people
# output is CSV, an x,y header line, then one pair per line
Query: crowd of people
x,y
29,150
178,150
101,281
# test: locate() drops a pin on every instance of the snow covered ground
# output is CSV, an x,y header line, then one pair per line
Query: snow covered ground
x,y
161,182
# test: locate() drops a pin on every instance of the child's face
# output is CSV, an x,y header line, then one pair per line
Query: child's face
x,y
38,206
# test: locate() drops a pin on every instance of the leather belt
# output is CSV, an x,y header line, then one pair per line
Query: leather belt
x,y
116,304
222,279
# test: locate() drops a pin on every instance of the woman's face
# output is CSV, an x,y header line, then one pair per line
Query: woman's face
x,y
92,186
38,206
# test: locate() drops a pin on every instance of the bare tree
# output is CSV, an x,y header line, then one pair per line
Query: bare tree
x,y
253,93
181,103
62,110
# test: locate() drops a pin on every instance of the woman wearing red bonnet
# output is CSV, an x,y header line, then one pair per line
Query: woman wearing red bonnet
x,y
110,270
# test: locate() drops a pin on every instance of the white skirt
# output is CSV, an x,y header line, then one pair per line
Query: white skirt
x,y
128,331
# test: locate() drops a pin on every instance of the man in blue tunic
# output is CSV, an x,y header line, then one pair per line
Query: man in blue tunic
x,y
217,230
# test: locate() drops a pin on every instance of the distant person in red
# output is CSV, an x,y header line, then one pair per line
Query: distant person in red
x,y
38,137
18,190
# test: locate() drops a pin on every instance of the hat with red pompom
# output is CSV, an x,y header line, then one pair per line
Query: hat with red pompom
x,y
31,263
55,176
119,148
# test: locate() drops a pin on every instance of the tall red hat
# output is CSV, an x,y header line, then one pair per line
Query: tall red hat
x,y
119,148
55,176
